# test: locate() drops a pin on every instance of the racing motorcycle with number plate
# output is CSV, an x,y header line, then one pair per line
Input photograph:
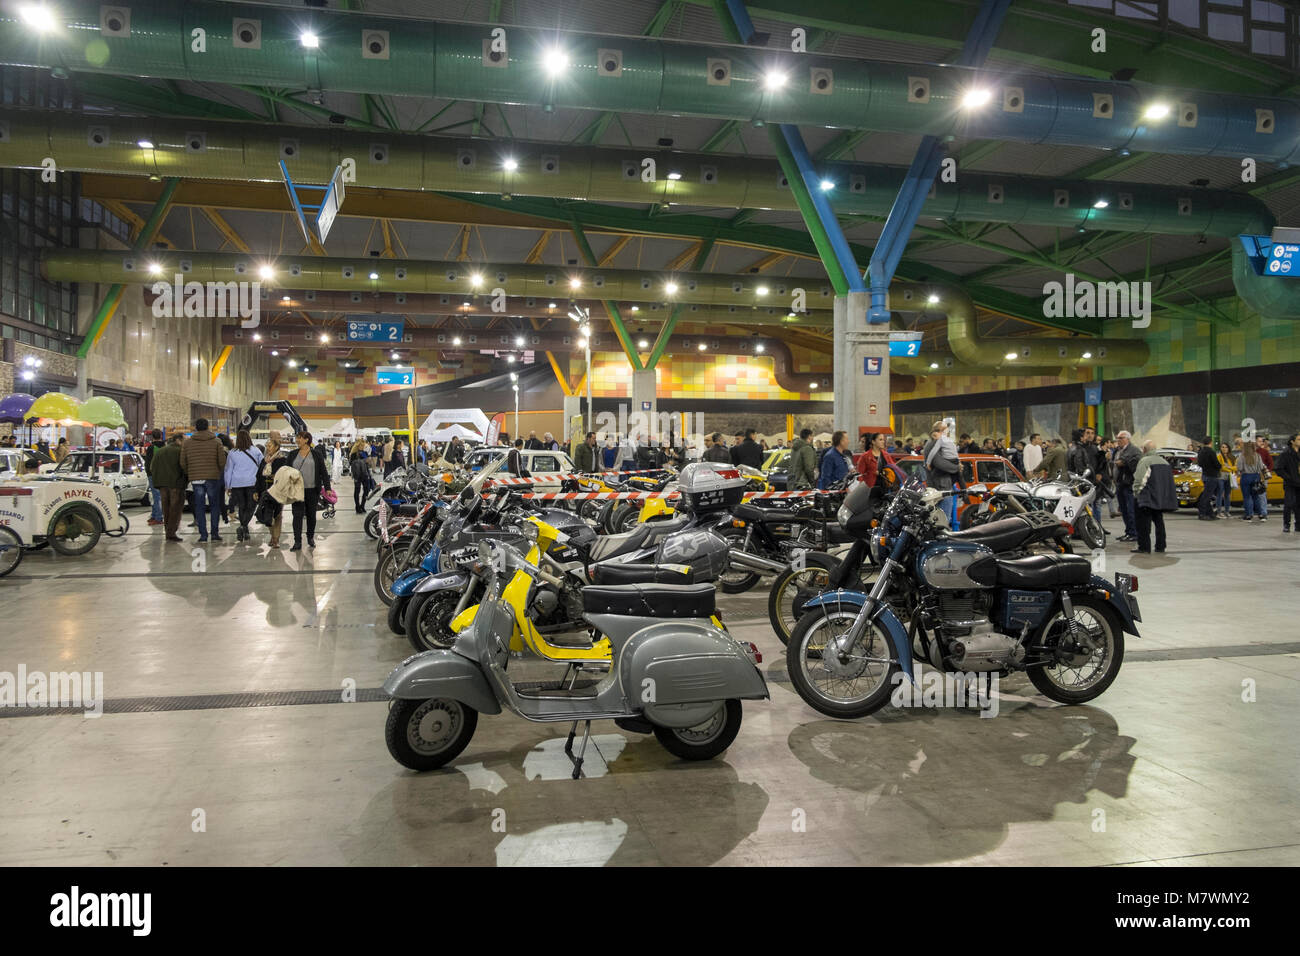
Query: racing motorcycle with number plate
x,y
969,609
1070,500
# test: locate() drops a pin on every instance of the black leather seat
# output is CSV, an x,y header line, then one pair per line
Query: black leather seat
x,y
613,572
641,536
408,509
1038,572
747,512
650,600
1008,534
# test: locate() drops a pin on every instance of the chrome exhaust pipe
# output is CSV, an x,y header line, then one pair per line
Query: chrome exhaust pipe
x,y
754,562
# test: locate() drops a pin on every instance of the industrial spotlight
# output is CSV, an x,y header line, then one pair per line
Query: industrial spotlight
x,y
671,288
266,272
1087,355
642,344
1011,356
1156,111
933,300
774,80
308,39
575,283
155,268
145,144
374,275
827,185
511,164
760,347
38,16
674,175
976,98
555,61
761,290
1100,204
520,341
476,279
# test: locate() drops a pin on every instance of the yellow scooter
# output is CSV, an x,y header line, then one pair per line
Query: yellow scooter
x,y
521,593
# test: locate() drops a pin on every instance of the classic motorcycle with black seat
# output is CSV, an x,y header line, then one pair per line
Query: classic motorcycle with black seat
x,y
672,671
969,609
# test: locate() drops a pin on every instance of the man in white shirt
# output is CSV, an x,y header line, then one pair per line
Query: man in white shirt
x,y
1033,453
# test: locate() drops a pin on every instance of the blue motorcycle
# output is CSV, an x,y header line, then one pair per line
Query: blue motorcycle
x,y
970,609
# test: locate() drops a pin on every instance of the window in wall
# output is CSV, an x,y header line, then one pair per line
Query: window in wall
x,y
1137,9
1268,42
1225,26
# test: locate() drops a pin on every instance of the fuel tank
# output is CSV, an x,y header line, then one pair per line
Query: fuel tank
x,y
943,564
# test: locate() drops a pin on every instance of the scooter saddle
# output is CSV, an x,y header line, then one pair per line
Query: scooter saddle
x,y
642,536
650,600
1037,572
614,573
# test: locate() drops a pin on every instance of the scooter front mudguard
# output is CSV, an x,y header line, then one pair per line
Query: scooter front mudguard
x,y
453,580
884,616
442,674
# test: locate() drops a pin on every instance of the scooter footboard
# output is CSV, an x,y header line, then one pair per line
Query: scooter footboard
x,y
680,663
442,674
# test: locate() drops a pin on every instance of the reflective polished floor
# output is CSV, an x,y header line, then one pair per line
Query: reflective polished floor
x,y
1190,759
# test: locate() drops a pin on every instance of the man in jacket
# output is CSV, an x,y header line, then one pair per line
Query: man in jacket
x,y
168,477
836,464
584,456
1288,467
1211,471
748,452
156,515
1126,461
803,463
203,459
717,451
1153,487
515,460
1055,465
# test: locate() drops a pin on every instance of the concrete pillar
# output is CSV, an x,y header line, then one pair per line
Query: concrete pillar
x,y
572,412
861,374
643,412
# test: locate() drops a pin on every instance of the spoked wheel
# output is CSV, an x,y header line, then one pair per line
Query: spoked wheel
x,y
737,579
1089,531
386,572
793,587
425,734
852,682
371,524
589,511
428,620
1081,666
75,530
705,740
11,550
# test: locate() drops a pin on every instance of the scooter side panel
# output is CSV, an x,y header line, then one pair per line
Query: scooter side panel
x,y
676,662
442,674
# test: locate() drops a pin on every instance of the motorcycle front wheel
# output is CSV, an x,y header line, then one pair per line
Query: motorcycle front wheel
x,y
736,579
371,525
705,740
425,734
428,620
793,587
840,685
397,615
1072,678
386,572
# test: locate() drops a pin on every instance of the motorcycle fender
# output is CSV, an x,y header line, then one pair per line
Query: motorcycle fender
x,y
885,617
464,619
405,584
442,674
668,666
454,580
1106,590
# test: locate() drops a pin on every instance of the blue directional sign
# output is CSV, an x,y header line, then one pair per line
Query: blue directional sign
x,y
906,349
395,375
1284,260
1092,394
375,331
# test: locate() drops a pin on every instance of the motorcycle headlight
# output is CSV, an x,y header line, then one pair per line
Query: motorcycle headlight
x,y
843,515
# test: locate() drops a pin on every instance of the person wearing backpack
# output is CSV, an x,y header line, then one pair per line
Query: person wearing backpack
x,y
242,466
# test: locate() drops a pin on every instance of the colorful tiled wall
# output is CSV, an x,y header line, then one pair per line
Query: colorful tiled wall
x,y
1181,346
705,377
329,386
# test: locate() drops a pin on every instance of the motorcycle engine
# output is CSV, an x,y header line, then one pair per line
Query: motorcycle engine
x,y
968,635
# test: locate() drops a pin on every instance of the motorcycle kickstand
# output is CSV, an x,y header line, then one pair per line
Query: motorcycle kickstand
x,y
568,747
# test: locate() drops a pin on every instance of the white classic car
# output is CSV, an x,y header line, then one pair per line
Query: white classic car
x,y
123,470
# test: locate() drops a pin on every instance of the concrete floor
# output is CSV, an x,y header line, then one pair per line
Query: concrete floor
x,y
1170,767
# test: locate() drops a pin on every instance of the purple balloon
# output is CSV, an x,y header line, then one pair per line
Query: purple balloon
x,y
14,407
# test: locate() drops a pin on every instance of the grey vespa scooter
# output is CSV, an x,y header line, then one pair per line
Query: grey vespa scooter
x,y
673,672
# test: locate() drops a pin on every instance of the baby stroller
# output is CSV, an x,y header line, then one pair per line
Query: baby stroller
x,y
330,499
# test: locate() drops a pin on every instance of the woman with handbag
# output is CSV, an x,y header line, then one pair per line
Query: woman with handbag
x,y
270,510
1250,471
243,465
309,461
1227,481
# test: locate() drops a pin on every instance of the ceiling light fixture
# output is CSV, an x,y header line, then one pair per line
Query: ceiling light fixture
x,y
308,39
1156,111
976,98
511,164
145,144
642,344
760,347
1011,356
476,279
575,283
555,61
774,80
1100,204
761,290
1087,355
38,16
933,300
671,288
519,341
827,185
674,175
374,275
266,272
155,268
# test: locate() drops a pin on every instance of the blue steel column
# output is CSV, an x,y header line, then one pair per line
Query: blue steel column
x,y
812,181
920,175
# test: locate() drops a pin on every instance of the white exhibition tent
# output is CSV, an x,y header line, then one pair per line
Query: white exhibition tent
x,y
444,424
345,428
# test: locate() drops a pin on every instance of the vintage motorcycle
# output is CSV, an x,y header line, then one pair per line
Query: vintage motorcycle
x,y
672,671
971,609
1070,500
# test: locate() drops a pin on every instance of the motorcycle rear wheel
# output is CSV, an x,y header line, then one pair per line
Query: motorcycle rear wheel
x,y
426,734
1054,682
707,739
829,687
